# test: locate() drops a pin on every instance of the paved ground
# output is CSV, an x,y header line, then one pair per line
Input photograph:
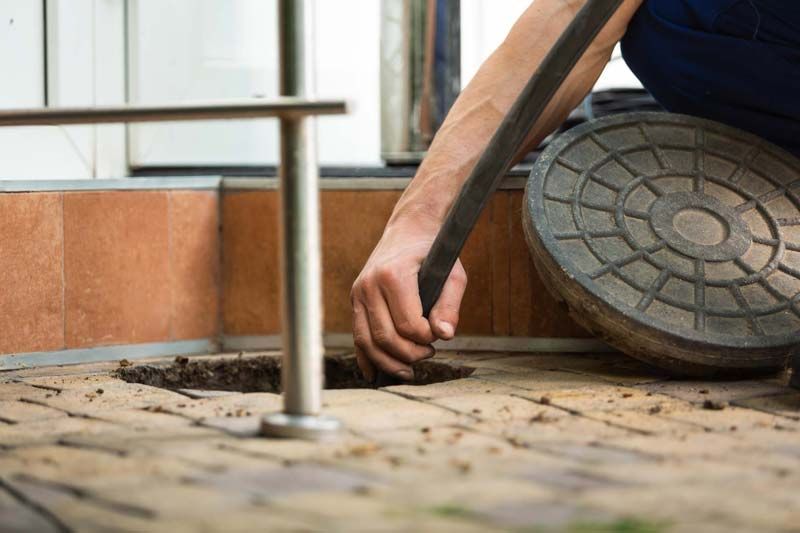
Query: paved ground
x,y
543,442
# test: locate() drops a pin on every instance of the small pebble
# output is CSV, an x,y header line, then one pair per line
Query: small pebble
x,y
713,406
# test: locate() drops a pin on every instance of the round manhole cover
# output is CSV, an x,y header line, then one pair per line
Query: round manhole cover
x,y
674,238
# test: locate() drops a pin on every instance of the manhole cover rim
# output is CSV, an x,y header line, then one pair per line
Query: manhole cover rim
x,y
534,208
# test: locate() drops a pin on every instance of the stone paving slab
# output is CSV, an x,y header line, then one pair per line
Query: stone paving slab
x,y
229,406
17,517
536,442
610,367
715,391
50,431
15,412
94,399
785,404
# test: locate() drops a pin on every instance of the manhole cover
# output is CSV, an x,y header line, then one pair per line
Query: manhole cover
x,y
674,238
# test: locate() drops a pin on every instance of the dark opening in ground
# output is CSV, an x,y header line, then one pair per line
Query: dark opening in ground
x,y
263,373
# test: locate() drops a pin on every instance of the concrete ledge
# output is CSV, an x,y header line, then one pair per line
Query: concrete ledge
x,y
215,183
346,184
107,353
121,184
234,343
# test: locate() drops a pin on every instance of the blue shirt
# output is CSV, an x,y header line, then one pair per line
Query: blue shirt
x,y
733,61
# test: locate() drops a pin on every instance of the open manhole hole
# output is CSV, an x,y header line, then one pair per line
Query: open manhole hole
x,y
263,373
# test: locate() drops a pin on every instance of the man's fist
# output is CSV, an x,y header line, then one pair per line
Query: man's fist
x,y
389,330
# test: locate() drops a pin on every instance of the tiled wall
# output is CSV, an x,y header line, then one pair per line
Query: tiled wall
x,y
87,269
103,268
504,295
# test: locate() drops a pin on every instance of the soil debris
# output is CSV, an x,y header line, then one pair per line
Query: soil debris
x,y
362,450
541,418
654,410
461,465
263,374
714,406
124,362
394,460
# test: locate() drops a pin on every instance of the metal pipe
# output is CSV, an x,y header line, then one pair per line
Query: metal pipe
x,y
302,372
290,108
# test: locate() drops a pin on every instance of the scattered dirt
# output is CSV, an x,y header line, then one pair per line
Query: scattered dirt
x,y
263,374
461,465
542,418
714,406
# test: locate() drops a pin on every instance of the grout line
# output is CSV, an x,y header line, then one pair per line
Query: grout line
x,y
220,270
63,274
170,269
89,495
66,443
34,506
509,250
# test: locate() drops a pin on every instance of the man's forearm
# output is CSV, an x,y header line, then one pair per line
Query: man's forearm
x,y
482,105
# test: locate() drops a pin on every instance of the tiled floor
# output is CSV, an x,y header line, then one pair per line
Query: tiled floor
x,y
535,442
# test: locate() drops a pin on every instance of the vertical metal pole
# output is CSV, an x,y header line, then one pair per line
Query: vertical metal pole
x,y
301,264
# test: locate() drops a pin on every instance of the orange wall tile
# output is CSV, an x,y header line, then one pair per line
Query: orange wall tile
x,y
534,312
504,295
352,223
116,268
251,265
475,317
194,264
146,267
31,258
501,264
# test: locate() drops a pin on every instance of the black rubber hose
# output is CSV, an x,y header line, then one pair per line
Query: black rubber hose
x,y
509,138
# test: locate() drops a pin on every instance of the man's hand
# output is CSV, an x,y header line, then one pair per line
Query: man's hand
x,y
389,330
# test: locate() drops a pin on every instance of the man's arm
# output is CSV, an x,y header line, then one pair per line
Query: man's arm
x,y
388,326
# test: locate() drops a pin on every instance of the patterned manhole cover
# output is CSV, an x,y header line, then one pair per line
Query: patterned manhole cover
x,y
676,239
